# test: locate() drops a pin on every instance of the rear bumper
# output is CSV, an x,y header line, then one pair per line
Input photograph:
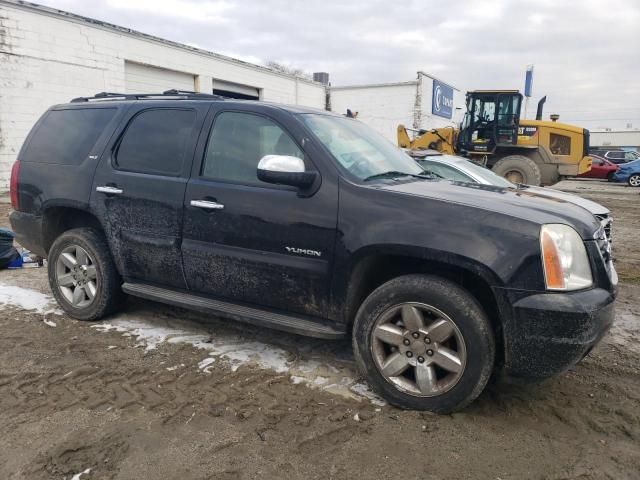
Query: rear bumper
x,y
28,231
547,333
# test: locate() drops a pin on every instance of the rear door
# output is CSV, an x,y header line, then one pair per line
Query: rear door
x,y
139,187
264,244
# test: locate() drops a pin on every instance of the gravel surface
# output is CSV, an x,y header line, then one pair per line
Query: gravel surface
x,y
159,392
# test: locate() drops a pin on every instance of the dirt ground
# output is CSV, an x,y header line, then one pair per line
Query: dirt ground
x,y
99,398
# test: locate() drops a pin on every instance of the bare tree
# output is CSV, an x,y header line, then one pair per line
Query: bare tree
x,y
282,68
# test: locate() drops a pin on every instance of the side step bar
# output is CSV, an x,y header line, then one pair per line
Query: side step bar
x,y
302,326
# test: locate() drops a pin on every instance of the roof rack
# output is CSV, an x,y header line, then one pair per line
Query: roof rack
x,y
172,94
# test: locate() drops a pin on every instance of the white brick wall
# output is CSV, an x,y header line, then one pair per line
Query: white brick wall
x,y
385,106
46,58
381,107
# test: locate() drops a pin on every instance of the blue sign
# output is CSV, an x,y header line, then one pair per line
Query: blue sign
x,y
528,82
442,100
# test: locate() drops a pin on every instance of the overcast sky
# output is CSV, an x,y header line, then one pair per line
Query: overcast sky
x,y
586,53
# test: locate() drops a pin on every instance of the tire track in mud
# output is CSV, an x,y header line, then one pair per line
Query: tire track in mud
x,y
72,369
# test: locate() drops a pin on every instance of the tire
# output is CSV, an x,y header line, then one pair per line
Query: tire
x,y
634,180
610,176
65,282
518,169
471,341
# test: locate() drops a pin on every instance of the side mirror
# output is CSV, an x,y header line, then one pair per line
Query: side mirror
x,y
285,170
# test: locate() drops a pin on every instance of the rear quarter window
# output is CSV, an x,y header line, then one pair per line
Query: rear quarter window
x,y
65,137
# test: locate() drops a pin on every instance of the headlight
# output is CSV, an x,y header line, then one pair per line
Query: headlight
x,y
564,258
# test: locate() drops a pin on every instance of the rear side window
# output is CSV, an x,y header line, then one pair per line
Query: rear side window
x,y
156,142
65,137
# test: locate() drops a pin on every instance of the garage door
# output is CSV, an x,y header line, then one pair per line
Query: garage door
x,y
235,90
145,79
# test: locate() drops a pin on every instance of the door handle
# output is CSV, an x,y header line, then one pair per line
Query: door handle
x,y
109,190
207,204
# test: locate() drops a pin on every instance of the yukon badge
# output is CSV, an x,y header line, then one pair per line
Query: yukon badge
x,y
304,251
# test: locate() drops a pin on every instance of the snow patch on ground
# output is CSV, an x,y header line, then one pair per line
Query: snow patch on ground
x,y
237,351
78,475
316,370
27,299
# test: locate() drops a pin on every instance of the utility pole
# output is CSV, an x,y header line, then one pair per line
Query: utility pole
x,y
528,88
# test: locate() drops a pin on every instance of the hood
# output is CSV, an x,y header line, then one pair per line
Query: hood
x,y
539,209
593,207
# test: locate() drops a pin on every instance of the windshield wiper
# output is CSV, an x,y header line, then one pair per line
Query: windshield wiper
x,y
431,174
395,174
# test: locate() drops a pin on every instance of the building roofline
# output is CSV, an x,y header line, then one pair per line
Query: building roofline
x,y
394,84
621,130
420,72
54,12
376,85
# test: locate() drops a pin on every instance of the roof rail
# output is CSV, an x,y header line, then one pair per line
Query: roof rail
x,y
172,94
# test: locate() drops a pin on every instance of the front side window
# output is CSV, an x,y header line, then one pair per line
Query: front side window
x,y
560,144
156,142
357,148
237,143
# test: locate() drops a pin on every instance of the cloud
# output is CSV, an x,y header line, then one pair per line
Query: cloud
x,y
585,53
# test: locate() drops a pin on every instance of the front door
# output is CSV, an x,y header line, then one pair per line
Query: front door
x,y
139,187
253,242
508,119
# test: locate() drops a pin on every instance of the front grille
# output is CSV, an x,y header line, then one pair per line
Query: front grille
x,y
605,249
607,224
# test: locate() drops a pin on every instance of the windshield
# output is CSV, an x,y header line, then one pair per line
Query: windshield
x,y
359,149
478,171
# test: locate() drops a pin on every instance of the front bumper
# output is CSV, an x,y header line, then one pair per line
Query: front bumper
x,y
28,231
547,333
620,177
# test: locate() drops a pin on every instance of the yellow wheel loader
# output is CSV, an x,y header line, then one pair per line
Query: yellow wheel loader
x,y
534,152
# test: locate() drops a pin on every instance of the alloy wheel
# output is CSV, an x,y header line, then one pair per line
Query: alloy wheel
x,y
634,180
76,276
418,349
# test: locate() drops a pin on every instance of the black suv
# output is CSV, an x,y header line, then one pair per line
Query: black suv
x,y
310,222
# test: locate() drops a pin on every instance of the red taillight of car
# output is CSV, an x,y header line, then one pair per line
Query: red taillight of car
x,y
13,184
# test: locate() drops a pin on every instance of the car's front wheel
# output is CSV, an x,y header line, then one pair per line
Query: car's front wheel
x,y
424,343
82,275
634,180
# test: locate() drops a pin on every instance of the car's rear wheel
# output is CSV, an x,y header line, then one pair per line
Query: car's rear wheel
x,y
634,180
424,343
82,275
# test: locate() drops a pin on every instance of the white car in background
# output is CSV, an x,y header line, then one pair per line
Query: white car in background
x,y
460,169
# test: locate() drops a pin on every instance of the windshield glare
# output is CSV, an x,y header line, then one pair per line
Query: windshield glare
x,y
357,148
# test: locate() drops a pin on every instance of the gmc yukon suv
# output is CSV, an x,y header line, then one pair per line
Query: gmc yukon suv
x,y
310,222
